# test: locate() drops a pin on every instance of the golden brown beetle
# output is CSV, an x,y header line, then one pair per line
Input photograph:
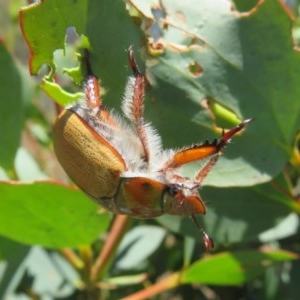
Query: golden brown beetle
x,y
123,166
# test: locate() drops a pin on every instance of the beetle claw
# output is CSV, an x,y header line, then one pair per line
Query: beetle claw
x,y
132,62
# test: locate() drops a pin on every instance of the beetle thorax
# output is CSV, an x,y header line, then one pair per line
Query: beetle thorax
x,y
127,143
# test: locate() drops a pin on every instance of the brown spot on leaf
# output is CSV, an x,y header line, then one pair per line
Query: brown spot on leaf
x,y
155,48
195,69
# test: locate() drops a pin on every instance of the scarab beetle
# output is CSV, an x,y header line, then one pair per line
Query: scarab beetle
x,y
120,163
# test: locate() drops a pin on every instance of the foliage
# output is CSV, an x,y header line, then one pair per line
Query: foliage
x,y
208,65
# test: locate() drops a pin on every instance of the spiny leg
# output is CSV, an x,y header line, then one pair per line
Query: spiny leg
x,y
208,149
92,92
133,104
201,175
208,241
220,145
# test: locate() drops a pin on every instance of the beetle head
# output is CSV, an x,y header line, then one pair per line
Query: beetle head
x,y
182,200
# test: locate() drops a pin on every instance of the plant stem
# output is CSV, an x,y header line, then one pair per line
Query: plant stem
x,y
86,254
164,284
72,258
116,233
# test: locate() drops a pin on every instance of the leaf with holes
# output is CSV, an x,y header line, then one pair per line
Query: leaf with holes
x,y
211,54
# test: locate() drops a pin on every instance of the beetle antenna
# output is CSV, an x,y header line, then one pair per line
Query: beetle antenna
x,y
208,241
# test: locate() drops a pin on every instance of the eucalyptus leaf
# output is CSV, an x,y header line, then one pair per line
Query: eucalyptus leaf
x,y
49,214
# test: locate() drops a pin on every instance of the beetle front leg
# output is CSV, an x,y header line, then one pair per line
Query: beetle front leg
x,y
220,145
208,149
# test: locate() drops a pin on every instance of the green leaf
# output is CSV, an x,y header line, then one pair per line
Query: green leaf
x,y
44,25
49,214
10,249
247,64
108,43
55,91
111,31
11,111
233,268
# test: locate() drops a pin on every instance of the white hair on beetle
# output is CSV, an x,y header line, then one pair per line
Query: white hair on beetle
x,y
125,138
149,134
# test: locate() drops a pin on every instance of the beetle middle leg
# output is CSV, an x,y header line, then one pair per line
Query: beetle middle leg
x,y
133,108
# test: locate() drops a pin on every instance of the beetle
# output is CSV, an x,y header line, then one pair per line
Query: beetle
x,y
121,164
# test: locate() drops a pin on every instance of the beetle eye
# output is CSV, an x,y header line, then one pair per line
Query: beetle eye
x,y
173,189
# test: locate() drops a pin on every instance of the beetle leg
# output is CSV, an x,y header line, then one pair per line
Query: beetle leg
x,y
92,93
208,241
208,149
92,90
133,106
136,89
